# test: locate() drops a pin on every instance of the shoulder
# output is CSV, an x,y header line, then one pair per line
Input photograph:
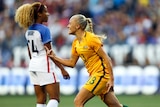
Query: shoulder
x,y
91,36
44,30
43,27
93,40
38,27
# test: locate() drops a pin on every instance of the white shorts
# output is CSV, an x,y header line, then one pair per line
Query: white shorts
x,y
42,78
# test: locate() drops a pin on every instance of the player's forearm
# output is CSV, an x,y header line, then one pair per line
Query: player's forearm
x,y
65,62
58,64
111,75
111,69
109,66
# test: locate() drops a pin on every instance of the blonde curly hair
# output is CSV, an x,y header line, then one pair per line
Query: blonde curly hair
x,y
26,14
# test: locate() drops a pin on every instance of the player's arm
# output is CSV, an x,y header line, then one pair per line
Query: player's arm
x,y
66,62
108,62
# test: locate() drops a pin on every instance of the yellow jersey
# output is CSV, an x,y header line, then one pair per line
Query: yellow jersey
x,y
87,50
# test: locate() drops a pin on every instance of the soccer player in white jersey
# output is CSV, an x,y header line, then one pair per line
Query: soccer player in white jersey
x,y
42,68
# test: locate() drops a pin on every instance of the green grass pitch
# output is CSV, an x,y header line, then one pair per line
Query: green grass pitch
x,y
67,101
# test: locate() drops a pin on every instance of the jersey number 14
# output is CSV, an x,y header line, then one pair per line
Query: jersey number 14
x,y
34,47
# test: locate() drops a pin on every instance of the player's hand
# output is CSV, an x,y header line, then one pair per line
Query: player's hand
x,y
49,53
109,84
65,74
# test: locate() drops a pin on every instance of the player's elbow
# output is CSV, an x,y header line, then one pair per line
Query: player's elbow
x,y
72,65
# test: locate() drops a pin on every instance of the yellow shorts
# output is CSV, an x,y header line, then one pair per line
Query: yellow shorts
x,y
96,84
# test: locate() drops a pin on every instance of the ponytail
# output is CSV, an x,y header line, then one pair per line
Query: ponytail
x,y
102,37
89,26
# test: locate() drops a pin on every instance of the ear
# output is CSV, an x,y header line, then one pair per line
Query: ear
x,y
39,14
77,26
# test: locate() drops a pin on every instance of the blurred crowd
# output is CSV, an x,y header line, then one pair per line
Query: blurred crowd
x,y
124,22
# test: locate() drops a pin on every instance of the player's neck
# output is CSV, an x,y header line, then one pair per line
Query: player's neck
x,y
38,21
80,35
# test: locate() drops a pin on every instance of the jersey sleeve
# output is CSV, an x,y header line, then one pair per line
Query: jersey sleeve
x,y
95,43
73,51
46,35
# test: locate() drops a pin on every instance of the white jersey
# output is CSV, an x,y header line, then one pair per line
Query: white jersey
x,y
37,35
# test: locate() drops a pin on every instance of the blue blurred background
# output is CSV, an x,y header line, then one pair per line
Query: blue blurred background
x,y
132,28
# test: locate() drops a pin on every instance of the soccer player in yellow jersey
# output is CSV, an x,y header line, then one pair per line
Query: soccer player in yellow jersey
x,y
88,46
